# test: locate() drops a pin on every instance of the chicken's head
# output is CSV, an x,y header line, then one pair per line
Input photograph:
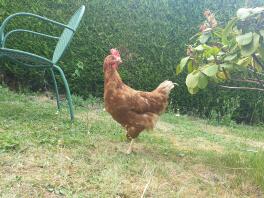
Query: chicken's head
x,y
113,60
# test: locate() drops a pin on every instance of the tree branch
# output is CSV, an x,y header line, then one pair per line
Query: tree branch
x,y
242,88
249,81
255,80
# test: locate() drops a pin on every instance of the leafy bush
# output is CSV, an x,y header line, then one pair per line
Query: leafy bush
x,y
219,52
233,53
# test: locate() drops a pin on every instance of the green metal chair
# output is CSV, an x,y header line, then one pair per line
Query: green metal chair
x,y
32,60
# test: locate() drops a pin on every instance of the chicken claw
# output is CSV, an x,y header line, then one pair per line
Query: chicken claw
x,y
130,149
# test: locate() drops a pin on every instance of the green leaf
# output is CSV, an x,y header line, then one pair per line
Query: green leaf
x,y
211,58
222,75
258,67
230,57
80,65
192,79
206,47
261,33
227,30
211,51
244,61
77,73
193,90
243,13
204,38
190,66
199,48
261,52
182,64
210,70
227,66
244,39
235,49
203,81
196,80
247,50
214,51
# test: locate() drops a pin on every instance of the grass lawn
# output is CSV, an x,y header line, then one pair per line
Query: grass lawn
x,y
43,155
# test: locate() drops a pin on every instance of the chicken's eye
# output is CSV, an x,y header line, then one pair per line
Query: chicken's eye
x,y
113,59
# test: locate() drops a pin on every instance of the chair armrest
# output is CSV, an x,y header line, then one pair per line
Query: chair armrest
x,y
5,22
28,31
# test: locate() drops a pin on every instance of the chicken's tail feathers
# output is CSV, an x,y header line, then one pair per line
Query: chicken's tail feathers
x,y
166,86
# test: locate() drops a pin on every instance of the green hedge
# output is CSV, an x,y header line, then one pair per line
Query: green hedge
x,y
151,34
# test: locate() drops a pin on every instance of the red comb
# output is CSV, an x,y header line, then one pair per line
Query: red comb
x,y
115,52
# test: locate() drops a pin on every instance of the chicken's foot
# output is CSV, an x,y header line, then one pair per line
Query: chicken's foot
x,y
130,149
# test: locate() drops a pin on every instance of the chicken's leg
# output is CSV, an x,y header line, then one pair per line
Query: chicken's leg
x,y
130,147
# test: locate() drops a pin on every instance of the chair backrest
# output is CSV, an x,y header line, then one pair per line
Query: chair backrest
x,y
67,34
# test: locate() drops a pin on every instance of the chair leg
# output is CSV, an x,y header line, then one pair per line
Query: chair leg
x,y
67,91
56,89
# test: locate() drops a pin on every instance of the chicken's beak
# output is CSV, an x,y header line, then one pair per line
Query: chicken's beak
x,y
119,60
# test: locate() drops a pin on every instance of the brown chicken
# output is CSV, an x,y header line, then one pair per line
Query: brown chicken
x,y
134,110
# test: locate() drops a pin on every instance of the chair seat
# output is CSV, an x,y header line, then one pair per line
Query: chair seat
x,y
25,58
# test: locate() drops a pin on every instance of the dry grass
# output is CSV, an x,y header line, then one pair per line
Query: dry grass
x,y
224,132
192,144
43,155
